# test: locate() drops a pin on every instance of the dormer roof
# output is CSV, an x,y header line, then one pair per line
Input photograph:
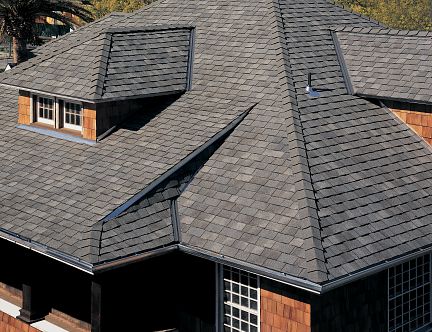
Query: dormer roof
x,y
386,64
112,64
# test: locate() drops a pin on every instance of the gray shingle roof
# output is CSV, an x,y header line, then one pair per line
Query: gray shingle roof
x,y
142,228
310,187
111,64
388,64
148,62
316,219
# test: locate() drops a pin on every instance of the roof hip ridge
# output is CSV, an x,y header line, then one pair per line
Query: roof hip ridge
x,y
316,267
105,52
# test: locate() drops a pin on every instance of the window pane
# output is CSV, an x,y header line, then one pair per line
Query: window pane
x,y
72,114
241,307
409,302
46,108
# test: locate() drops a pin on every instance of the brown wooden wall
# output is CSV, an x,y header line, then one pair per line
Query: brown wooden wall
x,y
11,324
24,108
420,122
417,116
282,313
89,122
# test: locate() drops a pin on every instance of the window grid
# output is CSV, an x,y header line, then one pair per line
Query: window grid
x,y
409,287
72,115
241,300
46,110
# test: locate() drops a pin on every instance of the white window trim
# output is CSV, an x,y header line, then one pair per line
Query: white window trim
x,y
220,299
68,125
43,120
56,112
425,326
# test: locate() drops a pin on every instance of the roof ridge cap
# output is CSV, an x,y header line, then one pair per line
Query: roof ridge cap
x,y
149,28
317,270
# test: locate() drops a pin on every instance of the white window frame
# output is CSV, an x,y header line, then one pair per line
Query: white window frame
x,y
68,125
394,295
220,290
41,119
57,112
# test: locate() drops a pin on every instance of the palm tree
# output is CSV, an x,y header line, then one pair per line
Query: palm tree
x,y
17,20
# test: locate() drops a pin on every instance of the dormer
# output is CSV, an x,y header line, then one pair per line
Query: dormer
x,y
392,67
91,87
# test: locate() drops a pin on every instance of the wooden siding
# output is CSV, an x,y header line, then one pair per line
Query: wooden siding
x,y
89,122
280,313
24,108
420,122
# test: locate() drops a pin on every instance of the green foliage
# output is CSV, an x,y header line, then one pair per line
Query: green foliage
x,y
18,20
100,8
18,17
400,14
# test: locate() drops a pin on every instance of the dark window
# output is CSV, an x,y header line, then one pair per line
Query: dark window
x,y
409,286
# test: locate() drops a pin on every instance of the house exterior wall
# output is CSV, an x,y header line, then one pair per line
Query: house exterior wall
x,y
113,113
417,117
24,108
420,122
89,122
11,324
98,118
357,307
284,309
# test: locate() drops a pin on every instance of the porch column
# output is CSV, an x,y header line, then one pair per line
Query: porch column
x,y
34,307
96,306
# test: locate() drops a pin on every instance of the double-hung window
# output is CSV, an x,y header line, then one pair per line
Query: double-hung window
x,y
409,289
240,300
46,110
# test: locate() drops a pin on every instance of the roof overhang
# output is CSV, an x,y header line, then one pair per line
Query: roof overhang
x,y
94,101
284,278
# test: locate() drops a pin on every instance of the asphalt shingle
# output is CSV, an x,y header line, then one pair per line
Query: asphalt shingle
x,y
110,64
310,187
388,64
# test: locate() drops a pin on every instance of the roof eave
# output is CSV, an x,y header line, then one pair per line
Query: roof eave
x,y
374,269
96,100
46,251
383,98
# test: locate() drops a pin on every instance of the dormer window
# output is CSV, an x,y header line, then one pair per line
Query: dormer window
x,y
72,116
57,113
45,111
96,104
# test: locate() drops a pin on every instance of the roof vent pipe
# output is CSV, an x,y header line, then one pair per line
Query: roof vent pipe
x,y
309,89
